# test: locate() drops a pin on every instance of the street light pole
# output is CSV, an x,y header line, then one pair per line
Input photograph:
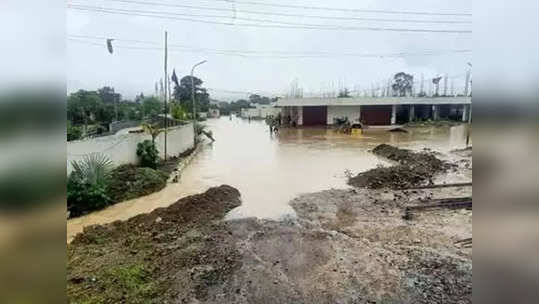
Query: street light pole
x,y
166,78
193,98
469,129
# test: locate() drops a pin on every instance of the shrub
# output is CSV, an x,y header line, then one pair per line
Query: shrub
x,y
73,133
148,154
178,112
87,184
129,181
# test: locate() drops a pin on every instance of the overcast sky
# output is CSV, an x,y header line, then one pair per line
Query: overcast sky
x,y
136,68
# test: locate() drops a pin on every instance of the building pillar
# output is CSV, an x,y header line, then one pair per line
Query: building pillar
x,y
393,114
464,112
435,112
412,113
300,116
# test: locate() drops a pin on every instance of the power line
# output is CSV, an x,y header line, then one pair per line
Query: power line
x,y
298,26
233,10
258,54
329,8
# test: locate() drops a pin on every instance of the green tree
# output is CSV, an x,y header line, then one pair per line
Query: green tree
x,y
263,100
178,111
402,84
344,93
83,107
151,106
105,114
183,93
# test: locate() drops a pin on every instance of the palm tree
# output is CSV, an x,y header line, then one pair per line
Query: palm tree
x,y
154,131
92,169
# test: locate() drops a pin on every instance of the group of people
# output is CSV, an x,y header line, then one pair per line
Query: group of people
x,y
275,122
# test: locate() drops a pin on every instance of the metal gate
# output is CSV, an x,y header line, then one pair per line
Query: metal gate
x,y
316,115
376,115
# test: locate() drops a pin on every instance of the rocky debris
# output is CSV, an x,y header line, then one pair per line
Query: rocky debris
x,y
421,258
412,169
433,278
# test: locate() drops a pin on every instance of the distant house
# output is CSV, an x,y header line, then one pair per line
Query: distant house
x,y
373,111
214,113
202,114
260,111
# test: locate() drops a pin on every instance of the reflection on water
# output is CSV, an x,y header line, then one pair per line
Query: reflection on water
x,y
270,170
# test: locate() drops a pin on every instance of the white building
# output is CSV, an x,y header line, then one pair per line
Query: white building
x,y
372,110
260,111
214,113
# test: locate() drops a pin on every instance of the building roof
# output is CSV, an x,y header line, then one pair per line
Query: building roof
x,y
366,101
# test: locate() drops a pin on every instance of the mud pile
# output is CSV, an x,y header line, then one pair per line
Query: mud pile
x,y
433,278
412,169
169,255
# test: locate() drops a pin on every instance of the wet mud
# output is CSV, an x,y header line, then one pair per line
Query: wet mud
x,y
344,246
411,169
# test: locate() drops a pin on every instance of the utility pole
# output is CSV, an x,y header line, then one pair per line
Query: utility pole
x,y
467,83
166,81
445,85
193,98
469,131
169,90
421,89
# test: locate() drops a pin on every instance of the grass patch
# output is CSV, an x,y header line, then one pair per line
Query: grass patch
x,y
129,181
121,284
133,281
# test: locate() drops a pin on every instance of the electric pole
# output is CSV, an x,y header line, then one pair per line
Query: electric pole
x,y
193,98
166,76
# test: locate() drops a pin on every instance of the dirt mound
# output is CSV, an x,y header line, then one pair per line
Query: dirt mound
x,y
390,177
130,181
170,255
413,169
401,130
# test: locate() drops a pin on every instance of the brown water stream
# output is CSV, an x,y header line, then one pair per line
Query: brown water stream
x,y
270,170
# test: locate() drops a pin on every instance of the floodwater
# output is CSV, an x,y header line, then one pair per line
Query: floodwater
x,y
270,170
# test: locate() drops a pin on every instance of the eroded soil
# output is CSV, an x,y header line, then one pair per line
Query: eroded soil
x,y
411,169
344,246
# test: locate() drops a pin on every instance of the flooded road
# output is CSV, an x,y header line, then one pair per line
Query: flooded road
x,y
270,170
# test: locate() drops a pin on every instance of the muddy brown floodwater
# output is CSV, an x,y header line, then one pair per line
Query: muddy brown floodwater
x,y
270,170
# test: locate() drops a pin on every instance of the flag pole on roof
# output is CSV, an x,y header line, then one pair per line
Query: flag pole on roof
x,y
174,77
109,45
